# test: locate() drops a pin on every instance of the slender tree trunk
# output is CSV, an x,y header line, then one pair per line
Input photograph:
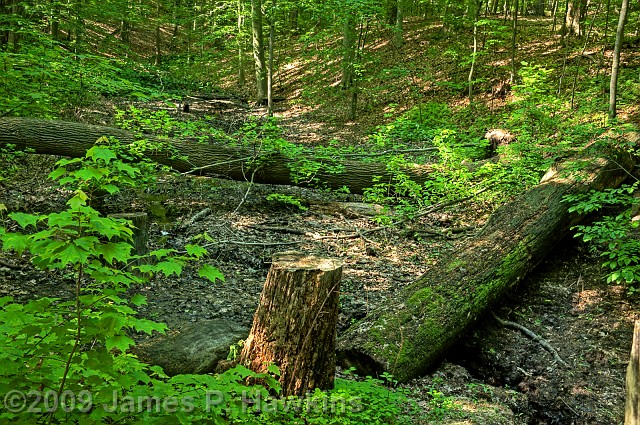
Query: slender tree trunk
x,y
398,34
158,36
348,49
272,34
554,12
514,46
632,406
241,76
478,5
258,51
615,67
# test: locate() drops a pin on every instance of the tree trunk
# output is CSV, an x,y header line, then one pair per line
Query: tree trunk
x,y
241,39
478,6
398,33
514,45
258,51
140,222
272,35
573,17
294,326
73,139
348,49
632,408
615,66
408,336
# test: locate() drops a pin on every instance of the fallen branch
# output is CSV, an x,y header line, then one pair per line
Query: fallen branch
x,y
543,343
196,217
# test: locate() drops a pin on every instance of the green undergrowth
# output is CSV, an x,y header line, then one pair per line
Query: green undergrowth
x,y
68,360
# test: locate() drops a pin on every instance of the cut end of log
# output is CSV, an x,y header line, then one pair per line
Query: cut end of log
x,y
294,260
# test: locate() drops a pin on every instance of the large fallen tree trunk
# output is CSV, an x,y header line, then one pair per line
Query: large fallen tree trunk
x,y
406,337
73,139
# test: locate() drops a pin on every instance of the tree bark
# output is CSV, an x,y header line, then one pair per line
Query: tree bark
x,y
348,49
294,326
398,31
408,336
615,66
514,45
258,51
632,408
73,139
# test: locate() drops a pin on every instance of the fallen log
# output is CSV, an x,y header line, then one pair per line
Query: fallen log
x,y
237,163
408,336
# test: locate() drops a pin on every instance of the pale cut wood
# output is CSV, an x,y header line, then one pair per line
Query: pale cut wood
x,y
632,408
294,326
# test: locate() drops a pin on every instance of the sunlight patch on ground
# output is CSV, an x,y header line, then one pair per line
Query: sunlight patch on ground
x,y
585,299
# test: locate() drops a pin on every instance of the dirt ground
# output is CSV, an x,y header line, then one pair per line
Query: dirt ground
x,y
495,375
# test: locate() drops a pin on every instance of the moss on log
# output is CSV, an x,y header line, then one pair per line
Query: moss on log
x,y
408,336
73,139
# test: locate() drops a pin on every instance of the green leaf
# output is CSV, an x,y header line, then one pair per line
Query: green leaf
x,y
78,200
101,152
24,220
148,326
138,300
161,253
119,251
57,173
195,250
110,188
72,254
90,173
121,342
15,241
170,267
210,273
124,167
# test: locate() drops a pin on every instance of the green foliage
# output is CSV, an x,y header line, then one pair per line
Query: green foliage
x,y
368,401
287,200
66,360
71,354
615,236
44,80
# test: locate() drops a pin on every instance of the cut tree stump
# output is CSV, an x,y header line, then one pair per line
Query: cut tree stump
x,y
294,326
632,408
408,336
207,159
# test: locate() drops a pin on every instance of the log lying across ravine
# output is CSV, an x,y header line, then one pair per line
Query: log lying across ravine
x,y
238,163
408,336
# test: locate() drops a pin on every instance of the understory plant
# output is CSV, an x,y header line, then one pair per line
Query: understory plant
x,y
69,360
615,236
